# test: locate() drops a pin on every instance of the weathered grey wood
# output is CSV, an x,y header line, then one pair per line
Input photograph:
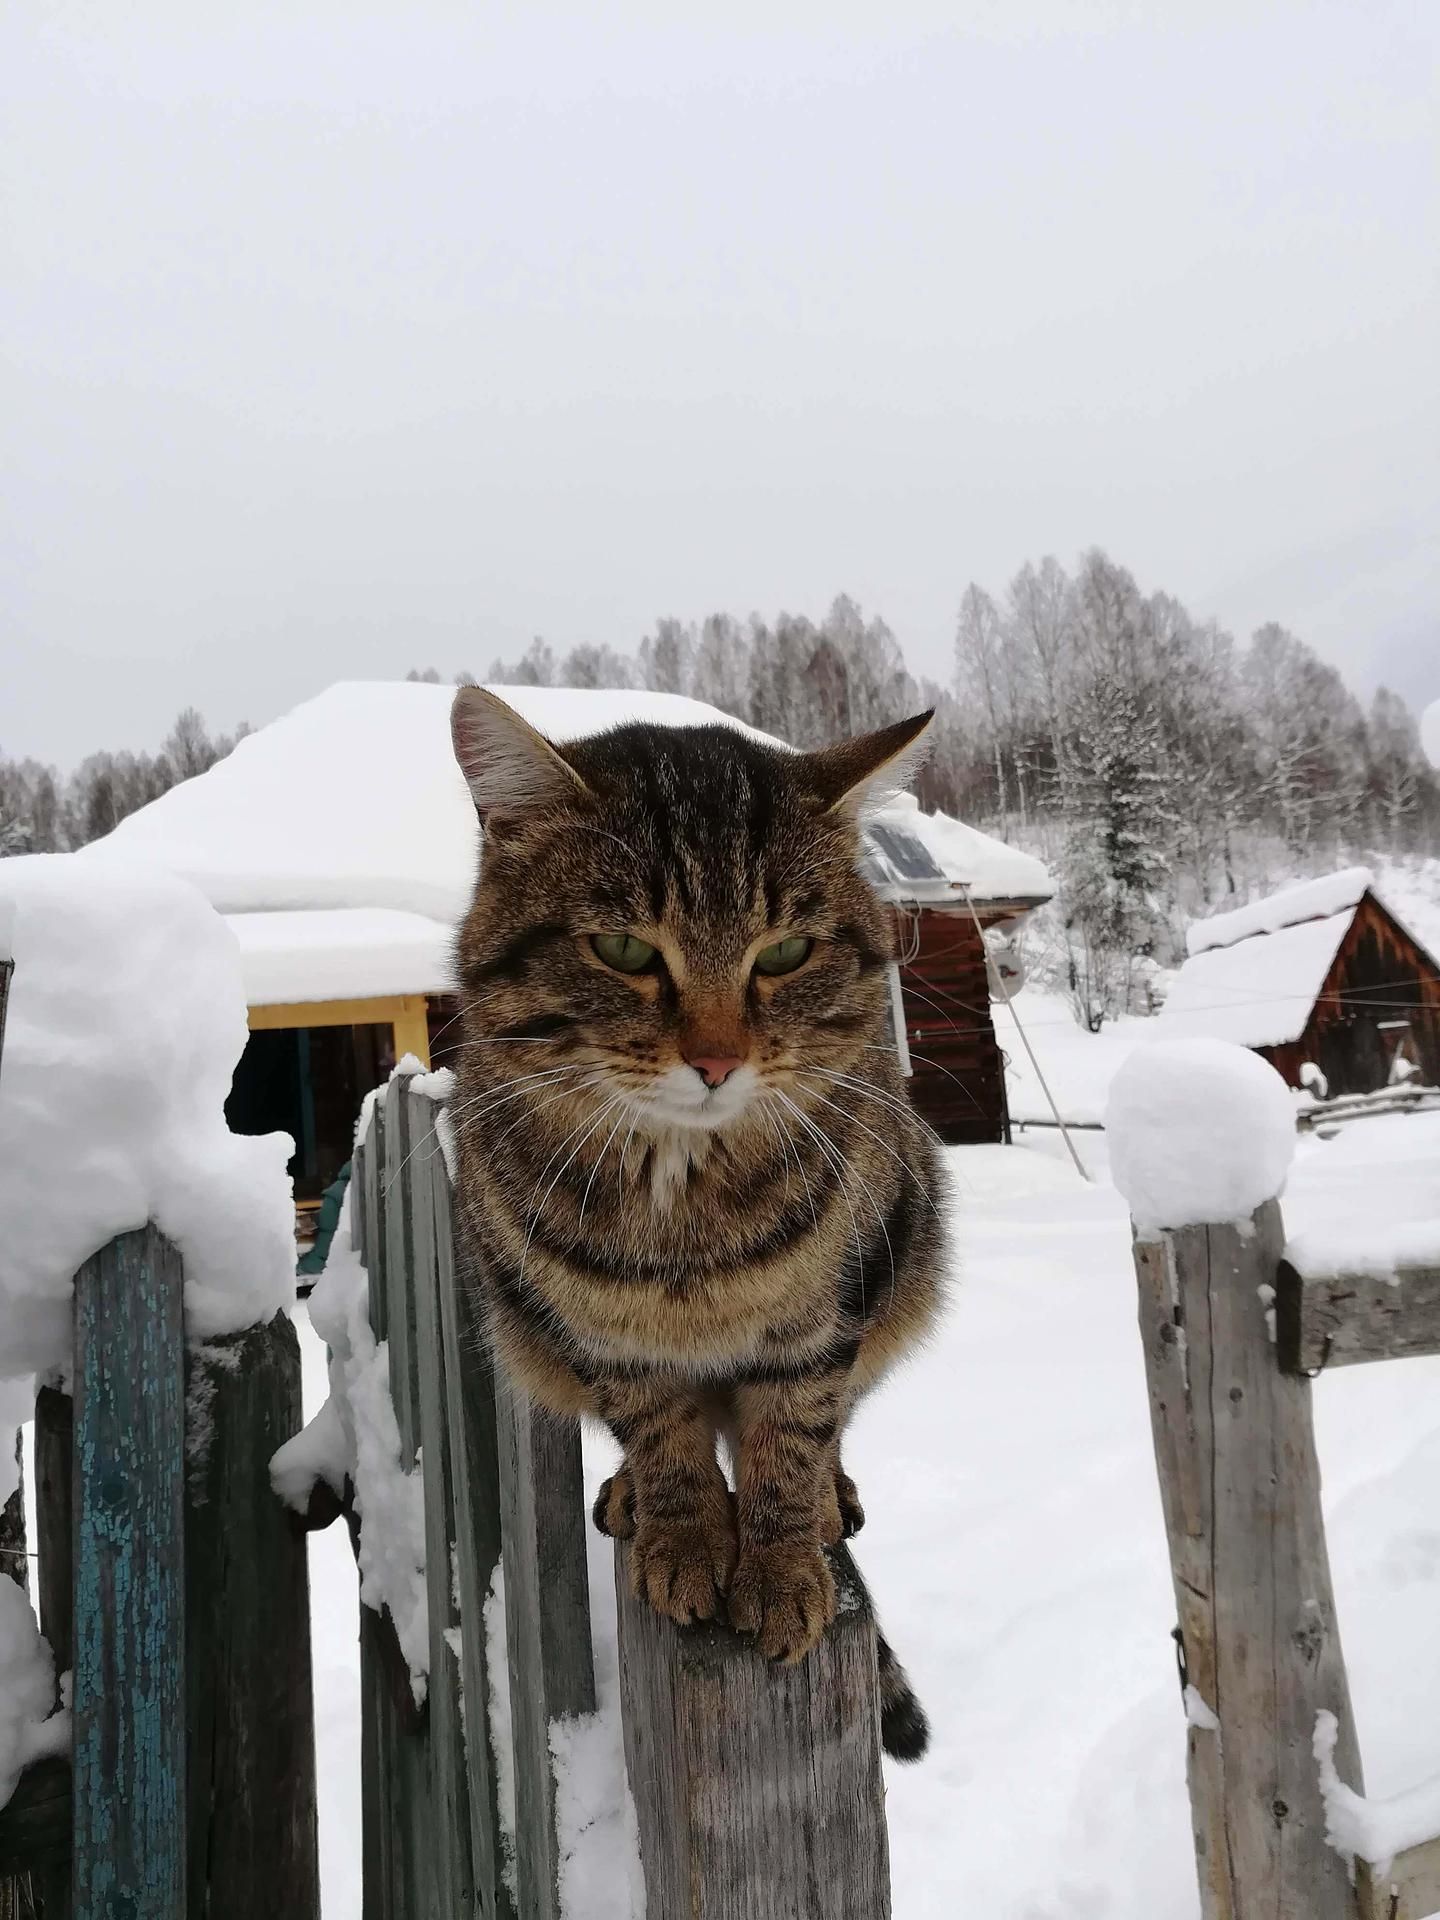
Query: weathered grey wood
x,y
474,1462
449,1783
355,1200
54,1520
252,1823
35,1822
129,1700
54,1531
1409,1891
412,1814
1348,1318
1240,1483
547,1623
17,1891
758,1790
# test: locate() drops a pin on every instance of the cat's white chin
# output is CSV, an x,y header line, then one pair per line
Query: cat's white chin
x,y
680,1099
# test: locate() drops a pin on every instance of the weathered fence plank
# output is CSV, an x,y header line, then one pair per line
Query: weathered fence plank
x,y
129,1698
252,1817
412,1817
1409,1891
1240,1483
474,1463
758,1790
547,1624
1345,1319
449,1789
55,1520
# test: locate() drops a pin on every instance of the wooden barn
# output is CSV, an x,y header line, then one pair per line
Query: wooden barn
x,y
1321,979
340,842
954,891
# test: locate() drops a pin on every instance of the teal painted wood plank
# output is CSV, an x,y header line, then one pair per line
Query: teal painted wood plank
x,y
470,1413
129,1699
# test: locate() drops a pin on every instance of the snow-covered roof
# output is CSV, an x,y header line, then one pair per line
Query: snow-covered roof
x,y
1259,992
958,855
346,825
1316,899
341,953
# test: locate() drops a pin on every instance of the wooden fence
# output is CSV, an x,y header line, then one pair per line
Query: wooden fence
x,y
173,1586
1232,1334
757,1790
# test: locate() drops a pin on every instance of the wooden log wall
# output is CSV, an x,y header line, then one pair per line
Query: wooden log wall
x,y
957,1082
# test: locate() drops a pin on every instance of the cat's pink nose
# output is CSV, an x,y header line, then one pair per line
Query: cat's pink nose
x,y
714,1068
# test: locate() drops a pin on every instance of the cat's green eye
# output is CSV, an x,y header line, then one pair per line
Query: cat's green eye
x,y
784,956
623,951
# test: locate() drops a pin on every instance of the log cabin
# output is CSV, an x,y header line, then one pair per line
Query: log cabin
x,y
1322,980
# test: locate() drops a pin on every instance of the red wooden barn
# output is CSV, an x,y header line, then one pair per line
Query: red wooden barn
x,y
940,877
1322,980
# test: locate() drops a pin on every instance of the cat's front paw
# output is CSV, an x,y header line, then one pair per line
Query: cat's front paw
x,y
784,1594
683,1567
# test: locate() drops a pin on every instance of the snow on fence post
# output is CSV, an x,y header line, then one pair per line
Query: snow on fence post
x,y
129,1627
758,1790
1201,1136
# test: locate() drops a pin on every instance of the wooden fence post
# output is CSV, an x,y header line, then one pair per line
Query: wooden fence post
x,y
129,1700
251,1789
758,1790
1235,1447
456,1879
547,1624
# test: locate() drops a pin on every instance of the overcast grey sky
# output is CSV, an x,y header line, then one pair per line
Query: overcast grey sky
x,y
340,339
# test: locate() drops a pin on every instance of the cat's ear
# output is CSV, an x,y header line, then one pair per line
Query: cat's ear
x,y
508,765
859,775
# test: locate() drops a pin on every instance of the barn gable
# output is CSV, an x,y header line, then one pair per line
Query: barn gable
x,y
1320,974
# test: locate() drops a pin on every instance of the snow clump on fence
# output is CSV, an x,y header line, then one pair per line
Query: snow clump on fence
x,y
126,1019
1199,1132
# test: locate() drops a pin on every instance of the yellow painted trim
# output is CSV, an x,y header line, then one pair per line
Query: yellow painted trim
x,y
403,1012
412,1031
380,1012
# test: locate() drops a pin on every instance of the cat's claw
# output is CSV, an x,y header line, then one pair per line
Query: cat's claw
x,y
841,1514
785,1596
683,1570
614,1509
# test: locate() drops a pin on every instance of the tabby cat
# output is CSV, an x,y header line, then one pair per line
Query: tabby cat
x,y
691,1187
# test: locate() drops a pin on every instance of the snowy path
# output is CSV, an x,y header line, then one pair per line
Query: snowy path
x,y
1017,1556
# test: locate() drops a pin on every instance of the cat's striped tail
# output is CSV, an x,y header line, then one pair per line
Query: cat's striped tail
x,y
904,1730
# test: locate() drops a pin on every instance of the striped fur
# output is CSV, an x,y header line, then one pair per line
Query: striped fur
x,y
689,1265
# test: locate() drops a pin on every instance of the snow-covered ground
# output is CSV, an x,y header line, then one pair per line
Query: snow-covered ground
x,y
1017,1555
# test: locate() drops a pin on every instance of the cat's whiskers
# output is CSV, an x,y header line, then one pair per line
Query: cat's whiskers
x,y
490,1097
864,1184
885,1100
839,1166
390,1183
550,1100
535,1216
580,1222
